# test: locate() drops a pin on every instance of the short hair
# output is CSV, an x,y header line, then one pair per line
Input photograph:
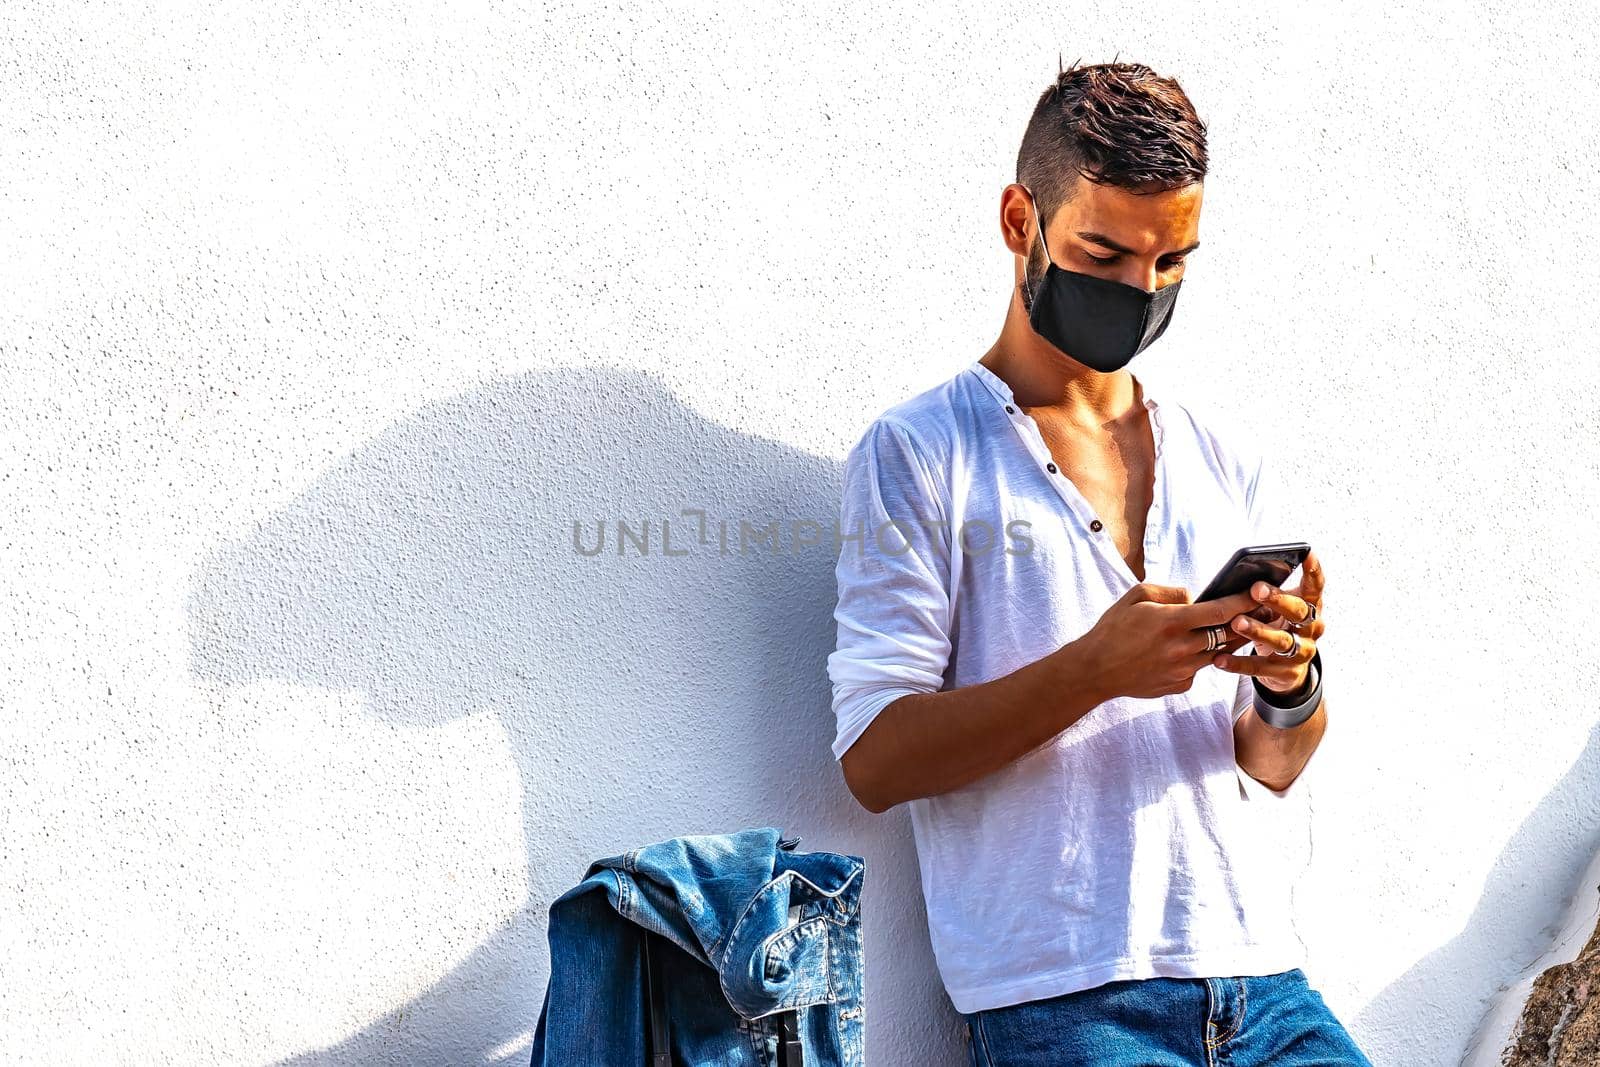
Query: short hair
x,y
1113,123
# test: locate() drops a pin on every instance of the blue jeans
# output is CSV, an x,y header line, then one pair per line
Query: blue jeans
x,y
1248,1021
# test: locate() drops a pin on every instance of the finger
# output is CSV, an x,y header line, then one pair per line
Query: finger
x,y
1231,640
1286,670
1214,612
1312,629
1266,635
1264,612
1312,578
1291,607
1156,593
1237,664
1306,630
1284,610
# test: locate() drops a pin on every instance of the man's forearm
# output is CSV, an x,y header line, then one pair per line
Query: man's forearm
x,y
929,743
1275,757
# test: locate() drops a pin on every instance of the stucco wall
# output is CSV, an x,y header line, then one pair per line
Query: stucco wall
x,y
321,326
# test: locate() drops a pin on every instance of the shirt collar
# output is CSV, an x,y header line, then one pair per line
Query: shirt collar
x,y
997,385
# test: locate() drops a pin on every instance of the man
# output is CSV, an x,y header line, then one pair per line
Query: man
x,y
1020,661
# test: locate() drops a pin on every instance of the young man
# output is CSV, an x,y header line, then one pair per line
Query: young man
x,y
1020,661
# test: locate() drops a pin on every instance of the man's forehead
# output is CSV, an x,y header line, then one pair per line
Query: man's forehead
x,y
1117,202
1118,218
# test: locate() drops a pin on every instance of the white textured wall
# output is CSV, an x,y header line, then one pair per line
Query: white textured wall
x,y
320,325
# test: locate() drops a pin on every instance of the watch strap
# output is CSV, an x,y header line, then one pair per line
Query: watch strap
x,y
1274,712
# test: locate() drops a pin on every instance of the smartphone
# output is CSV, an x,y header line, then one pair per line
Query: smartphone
x,y
1256,563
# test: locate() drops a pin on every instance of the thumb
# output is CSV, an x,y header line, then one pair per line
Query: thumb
x,y
1156,594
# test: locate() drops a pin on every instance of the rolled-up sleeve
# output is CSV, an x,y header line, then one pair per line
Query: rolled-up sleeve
x,y
893,575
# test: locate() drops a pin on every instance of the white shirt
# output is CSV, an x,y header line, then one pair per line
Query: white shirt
x,y
1131,845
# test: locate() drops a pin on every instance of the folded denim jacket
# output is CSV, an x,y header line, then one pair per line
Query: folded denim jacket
x,y
749,929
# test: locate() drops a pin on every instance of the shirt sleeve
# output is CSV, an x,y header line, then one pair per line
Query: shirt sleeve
x,y
1266,522
893,575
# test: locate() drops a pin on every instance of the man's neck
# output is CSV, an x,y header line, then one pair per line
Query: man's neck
x,y
1046,381
1064,389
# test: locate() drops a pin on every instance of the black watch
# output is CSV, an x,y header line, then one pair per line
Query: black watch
x,y
1286,710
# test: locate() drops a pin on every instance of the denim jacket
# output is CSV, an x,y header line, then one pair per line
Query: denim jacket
x,y
749,929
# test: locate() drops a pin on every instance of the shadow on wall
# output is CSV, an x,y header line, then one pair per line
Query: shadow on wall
x,y
1448,991
646,696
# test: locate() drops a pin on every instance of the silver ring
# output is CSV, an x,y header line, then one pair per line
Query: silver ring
x,y
1294,647
1216,637
1308,620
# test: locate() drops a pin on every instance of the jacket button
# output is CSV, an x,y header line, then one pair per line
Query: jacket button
x,y
1096,525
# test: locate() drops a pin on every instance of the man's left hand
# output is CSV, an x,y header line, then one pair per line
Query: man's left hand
x,y
1267,626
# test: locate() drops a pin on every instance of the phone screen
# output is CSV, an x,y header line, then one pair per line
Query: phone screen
x,y
1255,563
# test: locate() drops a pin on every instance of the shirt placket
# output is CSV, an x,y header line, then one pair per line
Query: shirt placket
x,y
1027,430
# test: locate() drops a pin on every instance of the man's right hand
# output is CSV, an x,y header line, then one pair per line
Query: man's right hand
x,y
1152,641
1149,643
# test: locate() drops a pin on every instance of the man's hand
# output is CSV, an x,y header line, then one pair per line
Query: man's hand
x,y
1281,674
1153,640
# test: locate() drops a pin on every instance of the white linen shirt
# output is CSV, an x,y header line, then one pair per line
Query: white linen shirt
x,y
1128,846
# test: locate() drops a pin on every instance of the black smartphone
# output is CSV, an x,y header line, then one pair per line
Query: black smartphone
x,y
1256,563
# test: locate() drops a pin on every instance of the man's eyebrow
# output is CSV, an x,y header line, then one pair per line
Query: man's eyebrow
x,y
1102,239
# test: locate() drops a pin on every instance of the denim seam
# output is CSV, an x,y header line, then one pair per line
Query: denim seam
x,y
833,896
787,1004
719,950
1237,1022
624,894
758,1044
1211,1024
790,1003
983,1041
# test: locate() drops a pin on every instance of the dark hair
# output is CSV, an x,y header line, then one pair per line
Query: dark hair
x,y
1113,123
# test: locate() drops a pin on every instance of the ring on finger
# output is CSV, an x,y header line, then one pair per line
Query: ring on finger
x,y
1216,637
1294,647
1311,617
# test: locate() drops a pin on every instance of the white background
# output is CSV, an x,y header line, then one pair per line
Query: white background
x,y
321,324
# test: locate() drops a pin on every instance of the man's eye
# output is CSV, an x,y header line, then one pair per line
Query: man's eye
x,y
1178,262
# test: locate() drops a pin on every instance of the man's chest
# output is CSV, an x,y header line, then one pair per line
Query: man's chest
x,y
1078,537
1115,479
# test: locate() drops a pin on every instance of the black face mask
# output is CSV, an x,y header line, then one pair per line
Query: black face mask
x,y
1100,323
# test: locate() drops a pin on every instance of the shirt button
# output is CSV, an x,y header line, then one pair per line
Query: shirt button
x,y
1051,467
1096,525
1010,410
